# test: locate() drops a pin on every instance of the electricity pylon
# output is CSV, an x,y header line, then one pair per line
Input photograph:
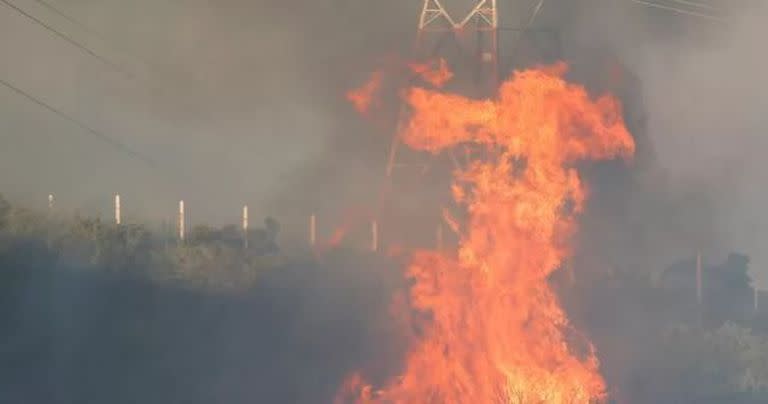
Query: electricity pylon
x,y
474,37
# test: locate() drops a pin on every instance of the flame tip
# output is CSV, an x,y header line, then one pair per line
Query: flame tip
x,y
495,328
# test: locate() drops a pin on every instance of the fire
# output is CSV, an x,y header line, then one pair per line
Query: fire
x,y
337,237
437,76
362,98
351,219
435,72
492,329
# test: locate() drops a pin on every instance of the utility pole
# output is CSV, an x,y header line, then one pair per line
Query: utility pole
x,y
312,230
374,236
245,226
182,230
699,276
117,210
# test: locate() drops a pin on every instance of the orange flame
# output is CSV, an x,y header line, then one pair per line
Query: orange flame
x,y
435,76
496,331
363,97
338,236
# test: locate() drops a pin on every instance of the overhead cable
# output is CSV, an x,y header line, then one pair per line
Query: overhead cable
x,y
696,4
535,14
64,15
91,131
678,10
66,38
84,27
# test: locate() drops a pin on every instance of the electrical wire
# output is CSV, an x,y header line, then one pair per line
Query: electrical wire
x,y
89,30
65,16
534,14
679,10
66,38
91,131
696,4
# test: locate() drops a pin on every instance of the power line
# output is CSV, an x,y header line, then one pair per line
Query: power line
x,y
91,131
118,47
86,28
534,14
65,16
679,10
66,38
150,66
696,4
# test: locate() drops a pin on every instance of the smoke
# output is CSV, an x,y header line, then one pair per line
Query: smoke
x,y
231,101
700,86
693,97
73,331
243,101
714,118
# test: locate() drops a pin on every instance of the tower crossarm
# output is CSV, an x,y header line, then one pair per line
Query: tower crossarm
x,y
433,13
485,11
434,16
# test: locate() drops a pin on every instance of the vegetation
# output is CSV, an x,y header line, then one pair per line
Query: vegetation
x,y
210,258
84,281
658,345
91,312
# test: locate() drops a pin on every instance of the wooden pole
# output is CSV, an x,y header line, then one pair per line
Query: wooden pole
x,y
312,230
182,231
374,236
755,299
50,216
439,237
570,271
167,231
245,226
117,210
699,276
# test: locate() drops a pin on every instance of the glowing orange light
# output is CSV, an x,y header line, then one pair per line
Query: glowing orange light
x,y
496,332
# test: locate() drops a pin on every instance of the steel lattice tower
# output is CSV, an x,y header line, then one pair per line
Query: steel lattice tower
x,y
466,34
474,37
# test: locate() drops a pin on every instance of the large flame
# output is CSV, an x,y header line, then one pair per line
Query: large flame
x,y
493,330
435,75
362,98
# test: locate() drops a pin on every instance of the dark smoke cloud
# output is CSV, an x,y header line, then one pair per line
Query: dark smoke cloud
x,y
243,101
699,87
72,333
231,99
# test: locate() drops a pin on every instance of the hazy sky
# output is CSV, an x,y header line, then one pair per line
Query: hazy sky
x,y
242,101
220,98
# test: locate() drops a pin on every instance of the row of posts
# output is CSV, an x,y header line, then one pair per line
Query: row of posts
x,y
118,218
699,288
182,229
374,246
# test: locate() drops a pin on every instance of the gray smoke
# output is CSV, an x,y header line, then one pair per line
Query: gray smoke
x,y
243,102
703,98
231,100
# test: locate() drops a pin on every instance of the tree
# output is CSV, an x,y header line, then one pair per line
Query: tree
x,y
692,365
729,291
5,210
